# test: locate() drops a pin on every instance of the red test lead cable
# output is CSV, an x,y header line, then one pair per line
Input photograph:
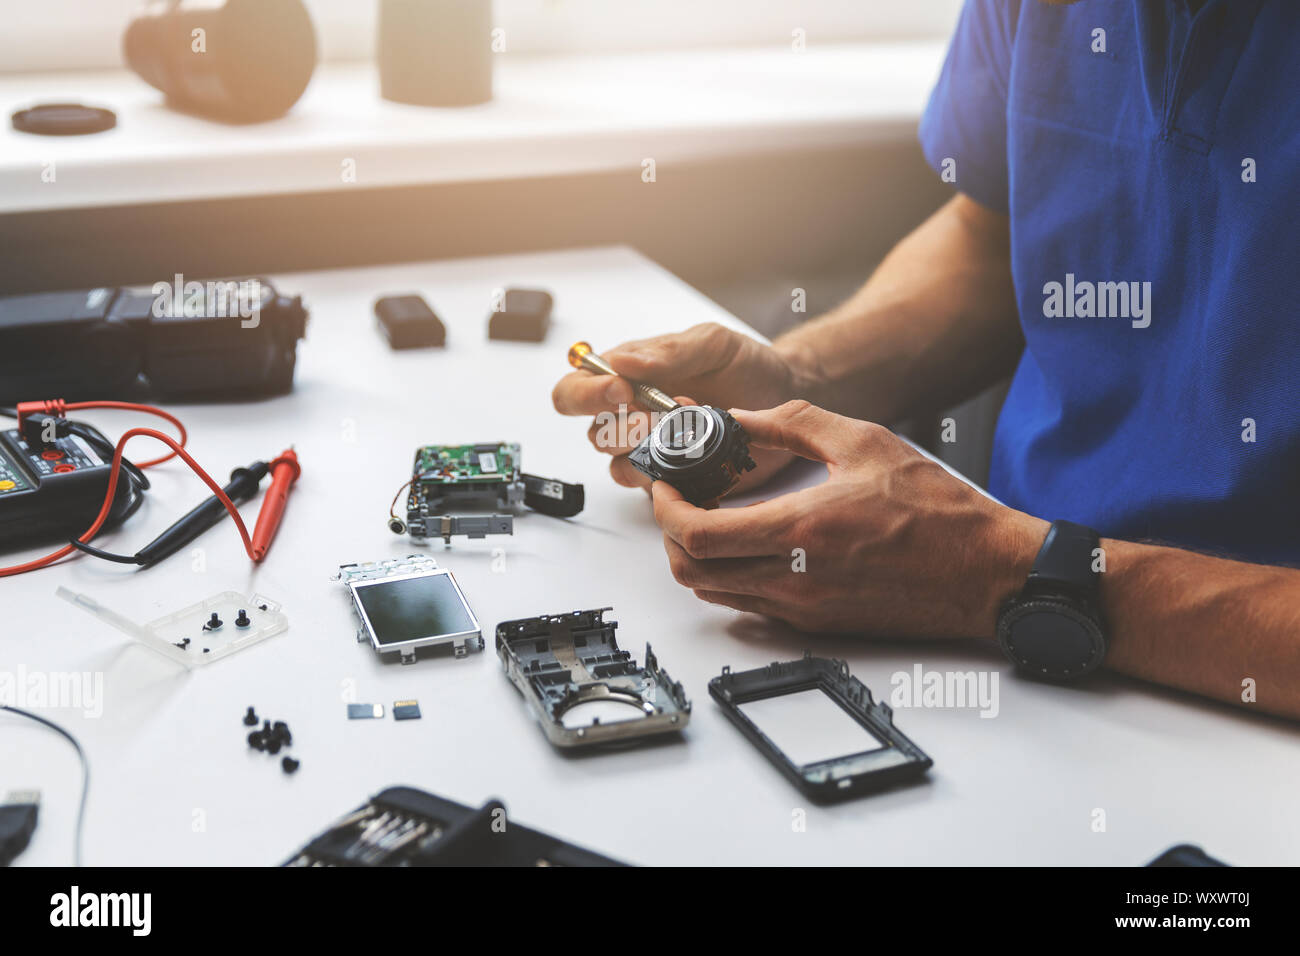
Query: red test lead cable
x,y
59,408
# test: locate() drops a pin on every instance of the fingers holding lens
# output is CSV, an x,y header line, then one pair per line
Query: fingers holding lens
x,y
626,474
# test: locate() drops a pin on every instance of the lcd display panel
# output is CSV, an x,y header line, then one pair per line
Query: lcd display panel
x,y
412,609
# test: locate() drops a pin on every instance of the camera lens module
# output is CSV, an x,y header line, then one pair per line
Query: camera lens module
x,y
698,449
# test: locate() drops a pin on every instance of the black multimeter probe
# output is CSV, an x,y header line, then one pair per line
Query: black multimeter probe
x,y
242,486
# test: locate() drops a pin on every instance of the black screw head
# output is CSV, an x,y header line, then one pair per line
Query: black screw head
x,y
250,718
214,622
242,620
256,740
273,745
289,764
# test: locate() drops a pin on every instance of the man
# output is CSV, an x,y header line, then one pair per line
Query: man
x,y
1128,174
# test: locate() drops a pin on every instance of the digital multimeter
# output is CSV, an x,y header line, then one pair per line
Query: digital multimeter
x,y
55,489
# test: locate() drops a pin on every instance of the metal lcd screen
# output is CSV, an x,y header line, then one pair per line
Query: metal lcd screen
x,y
413,608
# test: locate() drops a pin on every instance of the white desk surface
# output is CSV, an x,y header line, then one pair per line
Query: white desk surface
x,y
169,752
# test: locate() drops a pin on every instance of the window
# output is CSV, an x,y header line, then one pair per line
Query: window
x,y
87,34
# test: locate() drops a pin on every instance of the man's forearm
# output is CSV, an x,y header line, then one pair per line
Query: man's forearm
x,y
1225,629
935,323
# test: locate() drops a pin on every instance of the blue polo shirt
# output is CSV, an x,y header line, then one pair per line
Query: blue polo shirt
x,y
1148,155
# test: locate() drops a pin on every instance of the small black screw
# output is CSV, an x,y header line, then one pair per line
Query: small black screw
x,y
242,620
281,732
273,745
250,718
256,740
214,622
289,764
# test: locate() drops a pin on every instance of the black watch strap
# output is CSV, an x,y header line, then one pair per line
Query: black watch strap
x,y
1053,629
1066,561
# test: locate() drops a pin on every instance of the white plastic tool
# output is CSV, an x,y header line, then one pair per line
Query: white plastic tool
x,y
201,633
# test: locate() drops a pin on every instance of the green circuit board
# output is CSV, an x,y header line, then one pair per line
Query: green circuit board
x,y
484,463
476,490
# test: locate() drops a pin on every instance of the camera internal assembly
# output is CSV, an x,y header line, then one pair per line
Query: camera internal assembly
x,y
408,604
856,748
698,449
583,688
483,478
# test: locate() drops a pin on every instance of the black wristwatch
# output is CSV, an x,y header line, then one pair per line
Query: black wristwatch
x,y
1053,629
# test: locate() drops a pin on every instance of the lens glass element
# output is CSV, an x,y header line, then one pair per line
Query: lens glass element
x,y
684,432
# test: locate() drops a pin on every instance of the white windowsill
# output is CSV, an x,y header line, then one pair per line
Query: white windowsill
x,y
551,115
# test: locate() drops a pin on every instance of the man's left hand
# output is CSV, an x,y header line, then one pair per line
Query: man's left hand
x,y
891,544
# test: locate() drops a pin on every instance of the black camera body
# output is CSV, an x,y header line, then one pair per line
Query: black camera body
x,y
221,339
698,449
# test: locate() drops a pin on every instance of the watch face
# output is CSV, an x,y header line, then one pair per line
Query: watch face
x,y
1051,639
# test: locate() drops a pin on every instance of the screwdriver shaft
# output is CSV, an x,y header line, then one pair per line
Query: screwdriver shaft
x,y
582,356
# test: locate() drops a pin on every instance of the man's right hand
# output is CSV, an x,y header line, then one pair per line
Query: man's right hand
x,y
707,364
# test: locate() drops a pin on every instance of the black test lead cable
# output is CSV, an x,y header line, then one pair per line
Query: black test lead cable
x,y
242,486
85,772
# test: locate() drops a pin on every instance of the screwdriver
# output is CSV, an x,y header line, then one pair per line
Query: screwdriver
x,y
581,356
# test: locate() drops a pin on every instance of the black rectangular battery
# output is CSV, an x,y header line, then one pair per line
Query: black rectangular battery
x,y
408,322
524,317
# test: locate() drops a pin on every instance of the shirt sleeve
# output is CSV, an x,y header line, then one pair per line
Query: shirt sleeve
x,y
964,126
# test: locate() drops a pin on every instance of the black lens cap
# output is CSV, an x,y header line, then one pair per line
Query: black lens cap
x,y
64,119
